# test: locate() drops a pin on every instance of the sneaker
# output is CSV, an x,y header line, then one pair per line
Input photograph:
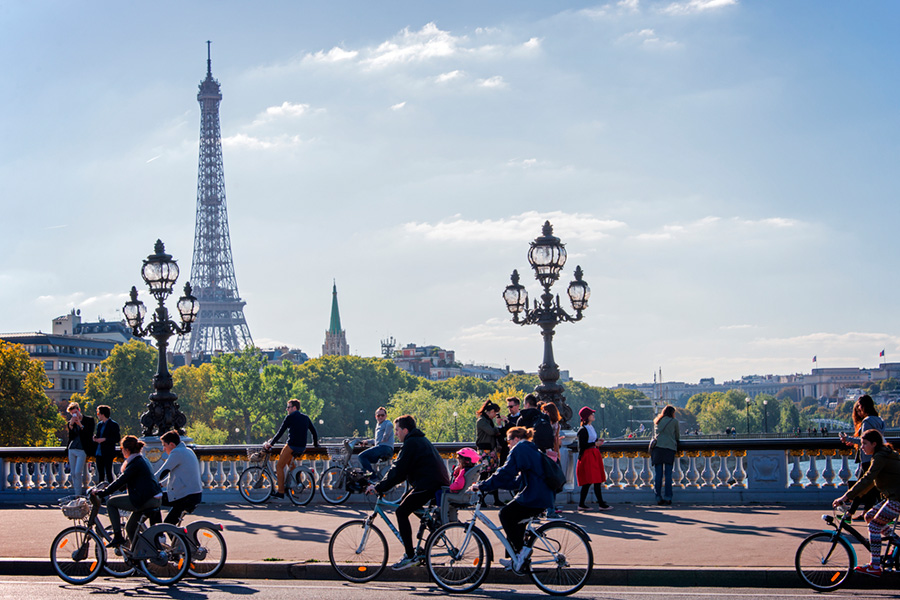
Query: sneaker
x,y
585,509
553,515
404,563
116,542
524,554
869,569
604,506
509,565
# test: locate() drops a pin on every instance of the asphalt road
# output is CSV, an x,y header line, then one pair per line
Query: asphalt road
x,y
51,588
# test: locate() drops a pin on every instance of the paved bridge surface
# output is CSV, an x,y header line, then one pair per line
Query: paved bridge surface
x,y
751,545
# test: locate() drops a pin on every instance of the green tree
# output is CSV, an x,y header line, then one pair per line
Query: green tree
x,y
237,393
192,385
789,418
434,415
124,381
27,416
205,435
720,414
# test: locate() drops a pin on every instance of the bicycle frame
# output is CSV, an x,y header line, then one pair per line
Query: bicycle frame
x,y
842,526
378,511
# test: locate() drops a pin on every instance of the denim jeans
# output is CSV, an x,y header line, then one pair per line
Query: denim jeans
x,y
373,455
658,481
78,469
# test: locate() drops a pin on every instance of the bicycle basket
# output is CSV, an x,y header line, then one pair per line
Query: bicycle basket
x,y
257,456
340,454
76,508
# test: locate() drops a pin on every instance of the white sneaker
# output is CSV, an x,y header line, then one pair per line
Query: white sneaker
x,y
507,563
523,555
404,563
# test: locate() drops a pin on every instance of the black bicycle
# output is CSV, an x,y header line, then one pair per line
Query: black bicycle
x,y
825,559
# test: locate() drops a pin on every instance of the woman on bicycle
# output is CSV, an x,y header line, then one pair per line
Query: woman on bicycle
x,y
523,465
883,475
143,491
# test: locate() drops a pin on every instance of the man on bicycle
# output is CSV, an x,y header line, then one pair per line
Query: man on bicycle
x,y
183,489
382,445
420,465
297,424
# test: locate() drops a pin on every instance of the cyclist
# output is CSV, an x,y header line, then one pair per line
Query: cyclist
x,y
424,471
144,492
522,466
297,424
382,444
181,471
883,474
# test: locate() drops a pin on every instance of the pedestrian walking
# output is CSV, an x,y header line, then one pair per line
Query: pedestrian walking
x,y
664,445
589,470
107,437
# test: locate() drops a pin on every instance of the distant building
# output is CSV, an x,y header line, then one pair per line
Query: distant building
x,y
430,362
72,351
335,337
283,353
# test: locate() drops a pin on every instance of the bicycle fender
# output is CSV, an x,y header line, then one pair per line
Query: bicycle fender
x,y
195,525
164,528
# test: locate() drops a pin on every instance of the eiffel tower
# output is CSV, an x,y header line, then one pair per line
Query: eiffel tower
x,y
220,326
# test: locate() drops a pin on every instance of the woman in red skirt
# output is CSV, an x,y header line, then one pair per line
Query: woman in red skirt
x,y
590,469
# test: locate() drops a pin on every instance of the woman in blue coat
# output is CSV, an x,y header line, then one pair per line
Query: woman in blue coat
x,y
523,465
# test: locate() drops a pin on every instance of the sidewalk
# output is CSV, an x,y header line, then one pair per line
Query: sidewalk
x,y
633,544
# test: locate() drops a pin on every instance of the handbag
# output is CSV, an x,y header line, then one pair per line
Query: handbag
x,y
652,443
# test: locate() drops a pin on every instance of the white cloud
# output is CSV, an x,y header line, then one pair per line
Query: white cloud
x,y
414,46
82,300
533,43
445,77
525,163
287,110
736,327
242,140
334,55
398,106
718,225
696,6
649,39
492,82
515,228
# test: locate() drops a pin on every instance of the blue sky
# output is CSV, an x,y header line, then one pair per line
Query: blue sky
x,y
723,171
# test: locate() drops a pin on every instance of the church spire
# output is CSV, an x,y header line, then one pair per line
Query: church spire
x,y
335,337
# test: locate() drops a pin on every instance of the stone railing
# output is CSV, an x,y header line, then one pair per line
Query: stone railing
x,y
722,471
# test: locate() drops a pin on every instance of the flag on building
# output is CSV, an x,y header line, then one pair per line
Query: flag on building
x,y
881,354
814,359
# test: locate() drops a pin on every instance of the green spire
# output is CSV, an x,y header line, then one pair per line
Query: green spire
x,y
335,315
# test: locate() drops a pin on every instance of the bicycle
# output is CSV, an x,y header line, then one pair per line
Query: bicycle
x,y
257,482
78,555
208,548
459,555
825,559
358,550
340,480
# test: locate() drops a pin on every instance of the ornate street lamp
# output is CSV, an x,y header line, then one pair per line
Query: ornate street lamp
x,y
547,257
160,272
747,399
766,413
455,430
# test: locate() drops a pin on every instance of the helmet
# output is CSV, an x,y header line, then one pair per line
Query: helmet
x,y
469,453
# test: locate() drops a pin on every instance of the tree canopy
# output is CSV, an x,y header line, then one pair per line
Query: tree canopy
x,y
27,416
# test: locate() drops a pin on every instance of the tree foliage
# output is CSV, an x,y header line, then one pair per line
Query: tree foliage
x,y
124,381
27,416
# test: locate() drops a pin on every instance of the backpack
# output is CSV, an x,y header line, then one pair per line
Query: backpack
x,y
543,432
554,477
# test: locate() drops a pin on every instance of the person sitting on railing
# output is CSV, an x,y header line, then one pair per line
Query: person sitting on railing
x,y
382,445
298,425
883,475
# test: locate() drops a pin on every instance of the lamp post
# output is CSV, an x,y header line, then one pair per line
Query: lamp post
x,y
603,415
547,256
766,415
455,430
160,272
631,417
747,400
367,427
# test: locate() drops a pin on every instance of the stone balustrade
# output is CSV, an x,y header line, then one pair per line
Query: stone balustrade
x,y
716,471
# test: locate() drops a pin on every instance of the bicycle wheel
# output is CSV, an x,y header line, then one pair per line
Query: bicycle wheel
x,y
332,485
172,559
77,555
116,564
358,552
208,553
455,563
302,487
824,561
255,485
561,558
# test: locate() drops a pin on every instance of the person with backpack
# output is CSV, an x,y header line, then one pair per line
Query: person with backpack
x,y
531,417
523,465
589,470
865,417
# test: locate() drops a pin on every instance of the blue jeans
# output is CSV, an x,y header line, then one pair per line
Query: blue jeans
x,y
373,455
658,481
78,469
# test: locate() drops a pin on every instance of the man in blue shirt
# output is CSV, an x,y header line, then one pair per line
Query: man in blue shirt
x,y
382,445
297,424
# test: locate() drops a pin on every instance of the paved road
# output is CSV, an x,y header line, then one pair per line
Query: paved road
x,y
47,588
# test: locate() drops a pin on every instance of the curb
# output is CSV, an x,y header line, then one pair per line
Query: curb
x,y
602,575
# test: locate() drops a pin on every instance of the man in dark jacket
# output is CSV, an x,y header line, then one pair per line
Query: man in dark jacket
x,y
297,425
106,438
420,465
